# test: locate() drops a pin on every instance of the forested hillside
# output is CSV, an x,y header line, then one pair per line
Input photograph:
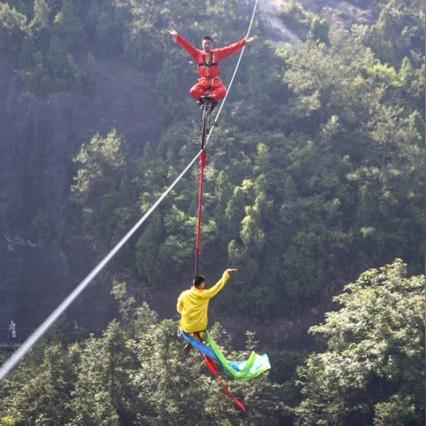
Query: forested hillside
x,y
315,180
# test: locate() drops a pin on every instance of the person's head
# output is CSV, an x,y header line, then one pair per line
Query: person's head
x,y
207,44
199,282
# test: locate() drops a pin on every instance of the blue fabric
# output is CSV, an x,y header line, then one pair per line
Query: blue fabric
x,y
200,346
240,370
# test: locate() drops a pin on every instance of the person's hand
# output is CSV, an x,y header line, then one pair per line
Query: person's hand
x,y
172,32
250,39
231,271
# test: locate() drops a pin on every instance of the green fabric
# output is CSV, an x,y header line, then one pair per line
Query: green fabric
x,y
241,370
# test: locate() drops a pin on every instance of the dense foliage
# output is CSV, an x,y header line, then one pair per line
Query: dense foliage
x,y
316,174
373,370
135,373
54,43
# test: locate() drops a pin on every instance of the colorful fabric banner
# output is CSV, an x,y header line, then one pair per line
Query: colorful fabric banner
x,y
245,370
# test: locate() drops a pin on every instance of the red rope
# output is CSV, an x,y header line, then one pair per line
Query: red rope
x,y
203,163
213,369
209,362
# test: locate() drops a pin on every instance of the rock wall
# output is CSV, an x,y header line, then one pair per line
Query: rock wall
x,y
38,140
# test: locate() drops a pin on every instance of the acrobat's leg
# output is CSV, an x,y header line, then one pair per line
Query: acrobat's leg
x,y
197,90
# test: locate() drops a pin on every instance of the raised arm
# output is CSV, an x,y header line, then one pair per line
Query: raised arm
x,y
213,291
226,51
184,43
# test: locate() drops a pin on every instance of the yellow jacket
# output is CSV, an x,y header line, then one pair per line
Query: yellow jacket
x,y
193,305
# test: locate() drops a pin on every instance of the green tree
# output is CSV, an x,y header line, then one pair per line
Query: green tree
x,y
67,23
61,64
107,26
398,32
12,29
373,367
103,188
39,394
41,16
102,387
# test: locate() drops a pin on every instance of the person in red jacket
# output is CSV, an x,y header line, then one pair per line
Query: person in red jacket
x,y
209,85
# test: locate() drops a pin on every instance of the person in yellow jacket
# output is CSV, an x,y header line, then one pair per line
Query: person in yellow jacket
x,y
193,304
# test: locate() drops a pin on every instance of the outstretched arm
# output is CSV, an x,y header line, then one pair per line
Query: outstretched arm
x,y
226,51
183,42
213,291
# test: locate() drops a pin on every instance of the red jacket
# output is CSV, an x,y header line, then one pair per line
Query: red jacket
x,y
208,63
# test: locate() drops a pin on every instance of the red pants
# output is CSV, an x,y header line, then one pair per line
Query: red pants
x,y
213,88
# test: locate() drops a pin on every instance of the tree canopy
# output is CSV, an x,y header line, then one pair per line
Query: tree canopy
x,y
373,368
315,178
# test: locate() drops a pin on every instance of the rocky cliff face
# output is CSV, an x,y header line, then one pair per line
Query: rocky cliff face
x,y
38,140
355,12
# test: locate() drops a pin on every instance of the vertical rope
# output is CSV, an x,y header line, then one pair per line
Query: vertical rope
x,y
203,163
213,369
203,155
